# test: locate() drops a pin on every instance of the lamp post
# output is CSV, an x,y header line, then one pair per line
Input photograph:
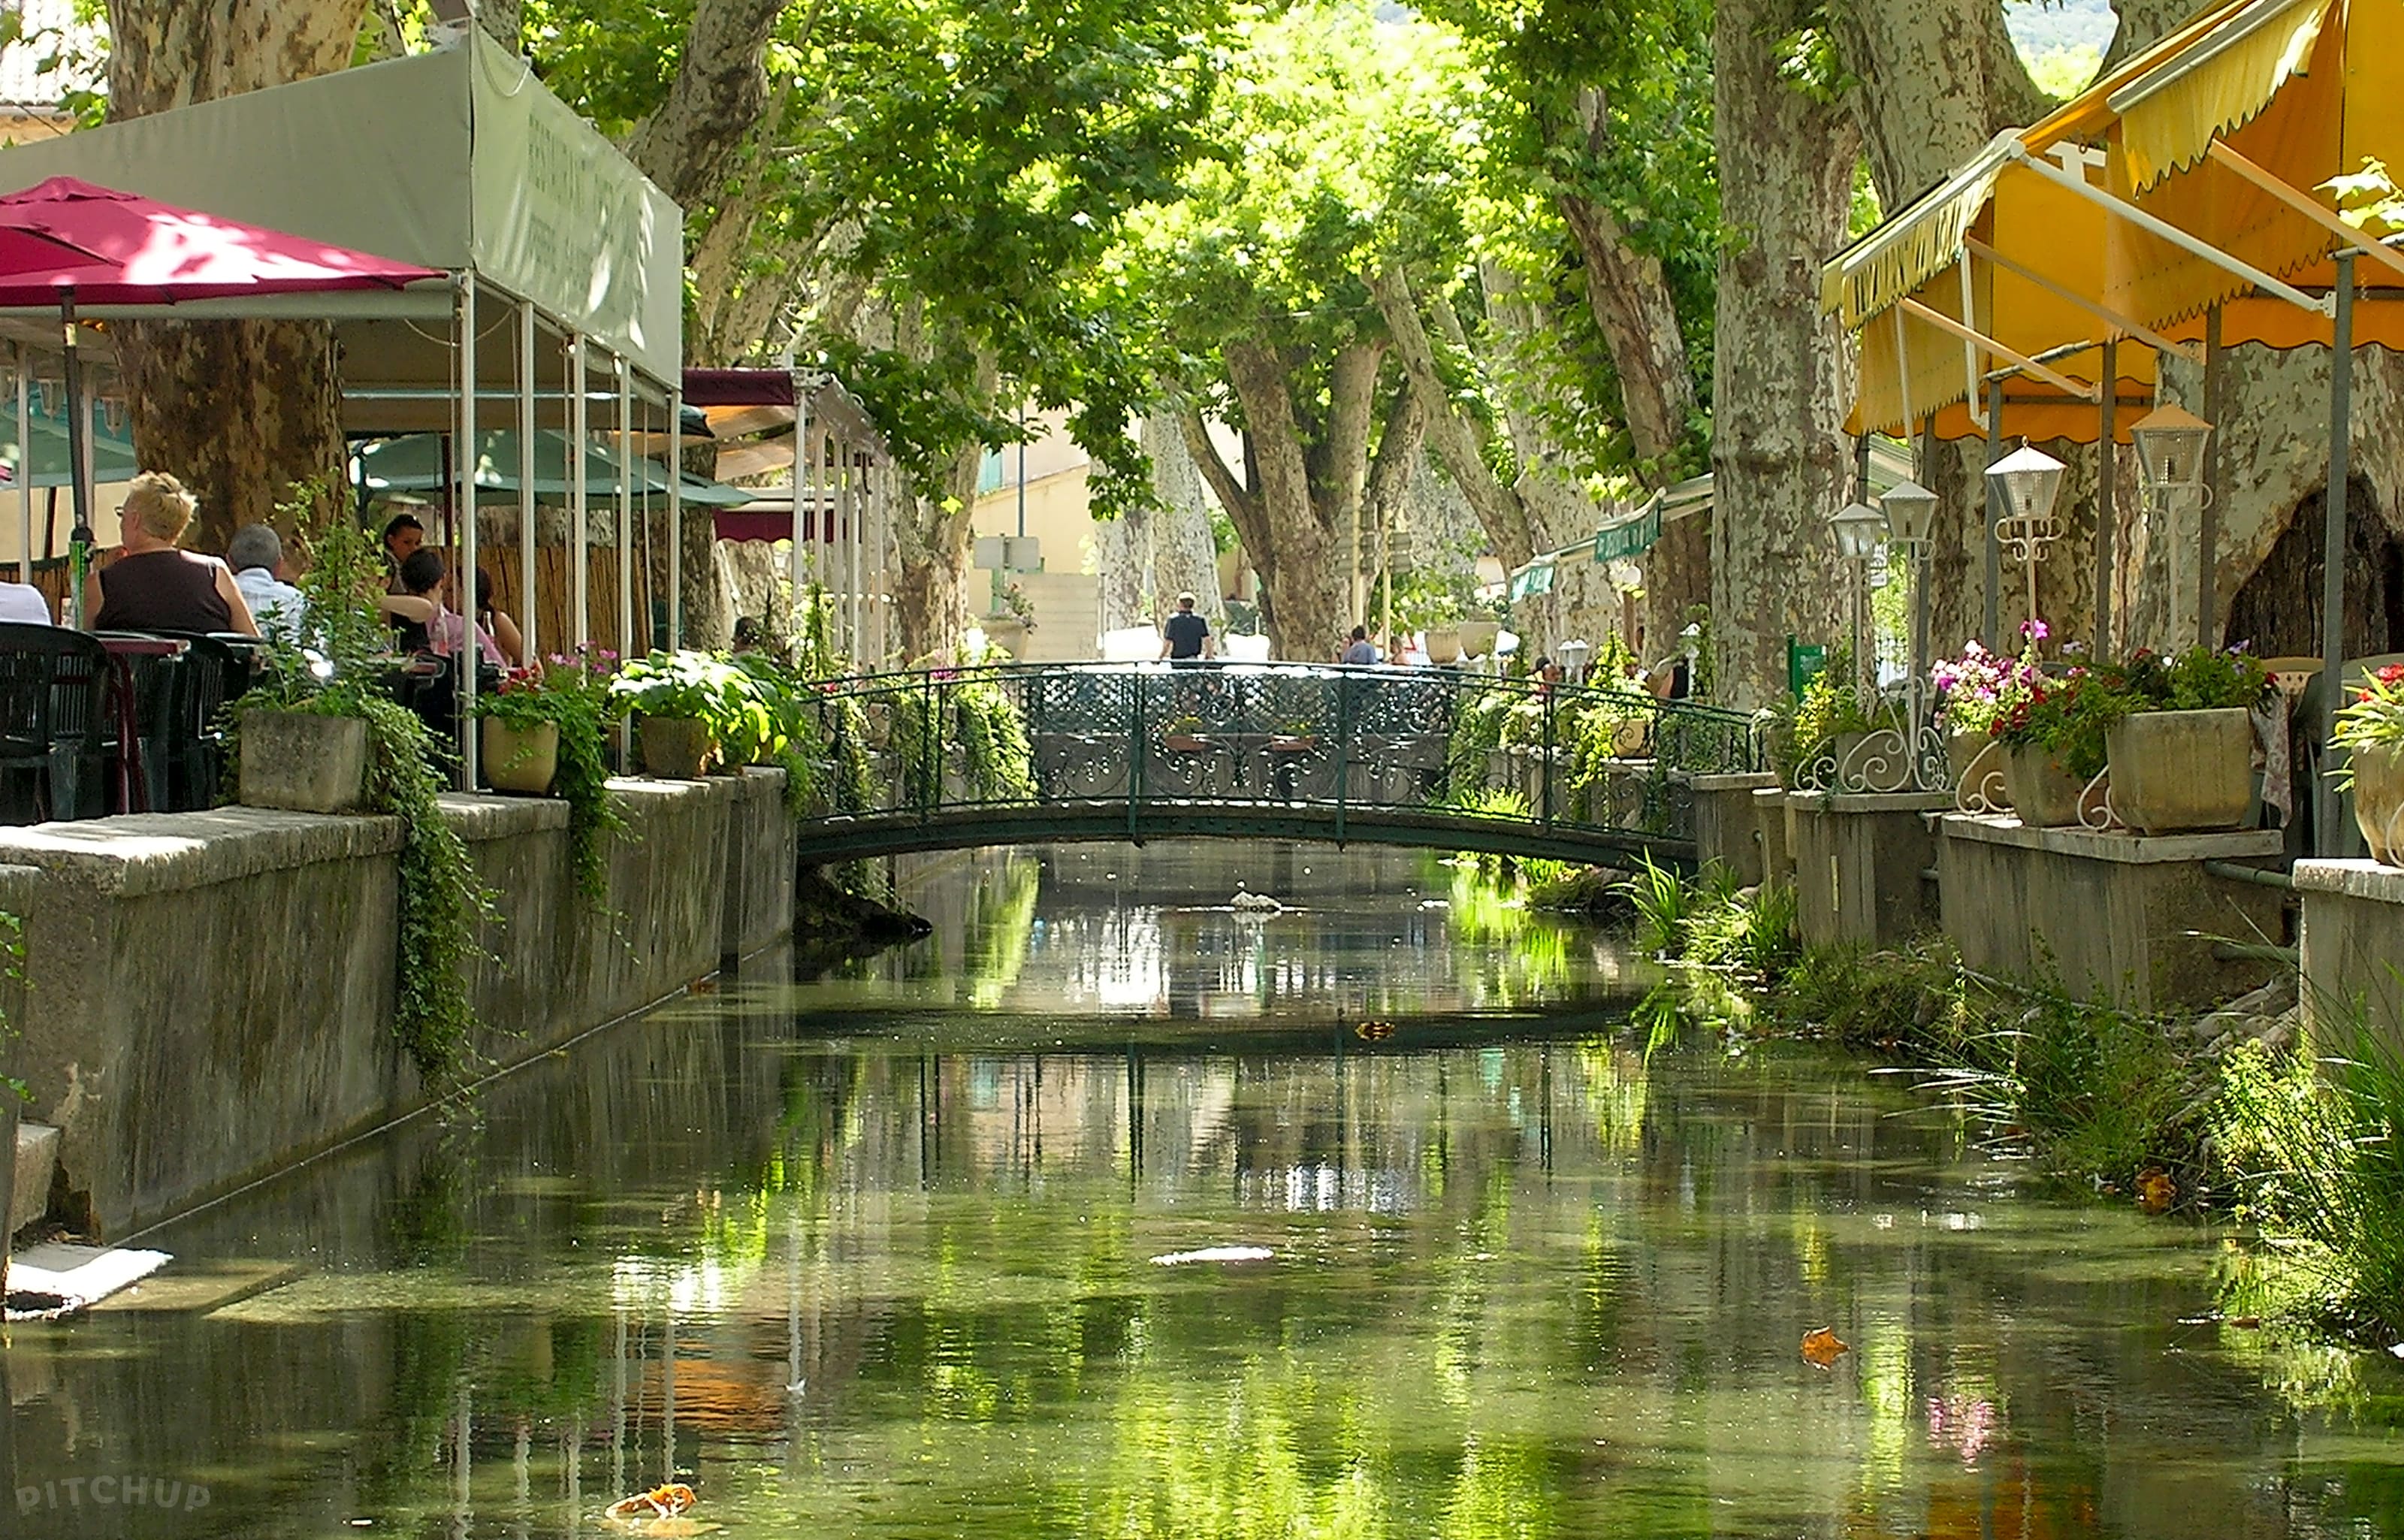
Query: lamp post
x,y
1911,522
2026,481
1573,655
1858,529
2170,442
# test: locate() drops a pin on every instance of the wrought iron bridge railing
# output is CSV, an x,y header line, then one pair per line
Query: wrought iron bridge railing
x,y
1421,756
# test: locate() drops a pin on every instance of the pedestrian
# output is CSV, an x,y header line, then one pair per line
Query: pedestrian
x,y
1360,652
1185,637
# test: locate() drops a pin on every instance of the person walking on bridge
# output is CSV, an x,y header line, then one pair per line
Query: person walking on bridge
x,y
1185,637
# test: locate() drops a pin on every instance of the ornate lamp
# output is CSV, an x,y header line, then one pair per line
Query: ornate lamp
x,y
1858,529
1910,513
1573,655
2170,443
2026,480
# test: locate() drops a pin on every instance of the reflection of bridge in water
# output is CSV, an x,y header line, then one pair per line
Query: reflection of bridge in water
x,y
1430,757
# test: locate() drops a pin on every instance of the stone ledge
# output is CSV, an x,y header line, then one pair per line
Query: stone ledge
x,y
1750,781
2360,880
1869,802
136,854
486,817
2125,848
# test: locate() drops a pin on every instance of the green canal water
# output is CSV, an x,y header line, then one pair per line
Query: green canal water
x,y
910,1252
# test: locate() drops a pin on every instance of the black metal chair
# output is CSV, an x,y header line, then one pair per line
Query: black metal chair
x,y
218,669
53,686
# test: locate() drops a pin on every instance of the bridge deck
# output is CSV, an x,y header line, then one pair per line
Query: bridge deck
x,y
848,838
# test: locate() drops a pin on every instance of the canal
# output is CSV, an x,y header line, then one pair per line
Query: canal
x,y
1129,1205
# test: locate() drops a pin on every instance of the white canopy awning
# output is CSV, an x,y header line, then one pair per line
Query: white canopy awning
x,y
458,158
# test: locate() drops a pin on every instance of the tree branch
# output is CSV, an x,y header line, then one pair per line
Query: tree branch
x,y
1457,438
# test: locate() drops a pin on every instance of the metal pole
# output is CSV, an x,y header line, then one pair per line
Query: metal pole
x,y
78,543
625,508
676,516
24,469
580,536
802,491
463,582
854,505
2326,834
2207,518
2106,474
1995,612
526,572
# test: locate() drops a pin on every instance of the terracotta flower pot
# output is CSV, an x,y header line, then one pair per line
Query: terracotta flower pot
x,y
2182,771
675,747
2379,800
521,759
2044,794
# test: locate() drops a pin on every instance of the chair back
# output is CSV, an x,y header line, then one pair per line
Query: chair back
x,y
52,689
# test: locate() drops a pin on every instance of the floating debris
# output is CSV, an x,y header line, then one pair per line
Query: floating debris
x,y
1822,1348
1254,903
1215,1254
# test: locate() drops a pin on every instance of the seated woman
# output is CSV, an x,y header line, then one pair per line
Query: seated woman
x,y
498,622
154,585
426,582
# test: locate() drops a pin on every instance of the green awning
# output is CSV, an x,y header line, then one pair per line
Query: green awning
x,y
413,462
1533,579
1629,537
112,450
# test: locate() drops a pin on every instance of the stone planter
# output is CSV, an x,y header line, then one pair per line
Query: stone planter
x,y
1477,638
303,761
10,1112
2379,800
675,747
1007,632
1443,644
2182,772
1877,770
521,759
2044,794
1962,751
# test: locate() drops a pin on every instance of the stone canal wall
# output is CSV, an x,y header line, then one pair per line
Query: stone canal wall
x,y
208,997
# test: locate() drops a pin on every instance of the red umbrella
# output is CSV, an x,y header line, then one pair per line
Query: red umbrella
x,y
122,250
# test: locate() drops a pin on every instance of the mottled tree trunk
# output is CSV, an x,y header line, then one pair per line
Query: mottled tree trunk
x,y
1294,509
1458,439
688,145
239,410
1780,380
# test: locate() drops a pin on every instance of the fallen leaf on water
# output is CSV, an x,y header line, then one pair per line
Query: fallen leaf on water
x,y
1820,1346
2154,1191
2246,1322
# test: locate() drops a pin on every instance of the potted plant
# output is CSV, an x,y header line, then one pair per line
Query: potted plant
x,y
544,733
1184,736
2370,730
2053,732
328,672
692,710
1297,738
2182,756
1970,690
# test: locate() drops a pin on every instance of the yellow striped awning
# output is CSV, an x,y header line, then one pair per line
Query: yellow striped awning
x,y
2169,115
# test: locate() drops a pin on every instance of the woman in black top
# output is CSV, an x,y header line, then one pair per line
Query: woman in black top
x,y
154,585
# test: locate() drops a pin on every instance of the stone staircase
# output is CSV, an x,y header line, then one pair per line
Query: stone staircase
x,y
1068,616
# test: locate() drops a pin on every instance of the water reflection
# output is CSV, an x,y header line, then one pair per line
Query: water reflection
x,y
853,1260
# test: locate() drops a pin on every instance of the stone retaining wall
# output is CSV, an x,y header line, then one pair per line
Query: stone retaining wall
x,y
209,996
2353,948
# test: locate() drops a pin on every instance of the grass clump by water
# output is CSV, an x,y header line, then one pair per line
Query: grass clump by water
x,y
2315,1145
2095,1095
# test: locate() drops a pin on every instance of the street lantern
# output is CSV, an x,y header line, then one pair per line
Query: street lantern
x,y
1910,513
2028,479
2170,443
1858,529
1573,656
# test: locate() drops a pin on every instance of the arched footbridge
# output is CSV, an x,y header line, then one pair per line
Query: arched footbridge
x,y
1024,754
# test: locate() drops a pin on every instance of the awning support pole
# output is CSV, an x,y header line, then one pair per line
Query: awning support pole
x,y
580,507
1943,322
1994,623
528,574
853,506
2207,516
1970,316
469,658
2073,297
2329,838
24,469
676,516
2309,208
626,647
802,510
2168,231
2106,515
